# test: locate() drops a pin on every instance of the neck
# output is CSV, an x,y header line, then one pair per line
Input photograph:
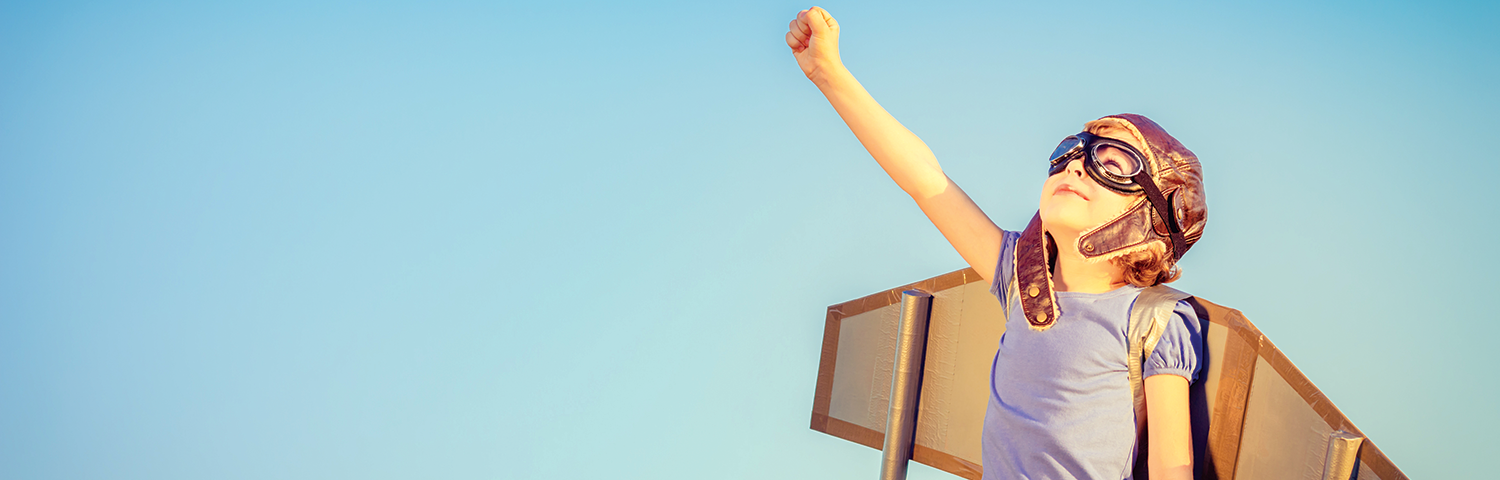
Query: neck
x,y
1074,273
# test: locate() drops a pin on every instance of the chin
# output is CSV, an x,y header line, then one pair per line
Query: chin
x,y
1062,217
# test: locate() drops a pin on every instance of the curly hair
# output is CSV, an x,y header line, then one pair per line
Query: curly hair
x,y
1148,267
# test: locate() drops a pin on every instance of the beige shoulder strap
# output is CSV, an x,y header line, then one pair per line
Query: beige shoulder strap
x,y
1148,319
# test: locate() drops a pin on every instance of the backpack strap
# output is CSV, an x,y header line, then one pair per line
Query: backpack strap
x,y
1148,319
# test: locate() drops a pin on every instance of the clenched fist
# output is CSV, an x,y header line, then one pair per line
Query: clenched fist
x,y
814,38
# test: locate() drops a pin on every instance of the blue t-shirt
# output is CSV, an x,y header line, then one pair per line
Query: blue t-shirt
x,y
1060,404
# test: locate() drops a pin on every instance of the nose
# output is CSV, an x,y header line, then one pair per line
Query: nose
x,y
1075,166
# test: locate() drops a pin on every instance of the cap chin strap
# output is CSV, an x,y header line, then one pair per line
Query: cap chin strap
x,y
1134,227
1032,277
1163,208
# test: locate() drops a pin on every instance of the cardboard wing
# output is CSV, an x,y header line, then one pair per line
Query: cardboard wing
x,y
1255,415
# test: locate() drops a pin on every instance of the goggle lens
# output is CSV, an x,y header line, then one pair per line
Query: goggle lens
x,y
1116,161
1064,149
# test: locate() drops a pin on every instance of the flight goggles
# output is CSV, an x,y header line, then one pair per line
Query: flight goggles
x,y
1113,163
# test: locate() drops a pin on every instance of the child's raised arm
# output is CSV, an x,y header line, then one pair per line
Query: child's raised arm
x,y
813,37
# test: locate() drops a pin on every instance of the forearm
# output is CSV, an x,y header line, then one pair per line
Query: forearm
x,y
813,38
904,156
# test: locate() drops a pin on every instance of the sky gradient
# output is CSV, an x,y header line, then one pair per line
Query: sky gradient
x,y
581,240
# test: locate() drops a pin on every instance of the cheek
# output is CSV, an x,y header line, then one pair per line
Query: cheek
x,y
1046,187
1110,206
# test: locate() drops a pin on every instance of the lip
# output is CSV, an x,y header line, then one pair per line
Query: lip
x,y
1069,189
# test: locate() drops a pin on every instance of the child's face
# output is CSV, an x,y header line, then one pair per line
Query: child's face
x,y
1073,202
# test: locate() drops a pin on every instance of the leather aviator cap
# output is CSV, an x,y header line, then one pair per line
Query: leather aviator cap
x,y
1177,175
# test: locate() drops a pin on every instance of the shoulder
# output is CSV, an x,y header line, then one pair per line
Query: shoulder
x,y
1183,322
1185,313
1000,283
1180,349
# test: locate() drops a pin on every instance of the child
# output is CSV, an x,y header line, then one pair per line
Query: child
x,y
1123,202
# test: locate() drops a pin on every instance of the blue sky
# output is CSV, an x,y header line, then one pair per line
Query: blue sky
x,y
570,240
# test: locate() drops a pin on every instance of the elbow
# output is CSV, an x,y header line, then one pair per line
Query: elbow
x,y
1173,472
928,187
1170,467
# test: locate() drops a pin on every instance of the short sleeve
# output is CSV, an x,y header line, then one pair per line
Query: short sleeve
x,y
1000,282
1179,352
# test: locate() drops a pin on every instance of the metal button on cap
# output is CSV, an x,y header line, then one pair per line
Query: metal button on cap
x,y
1088,247
1033,291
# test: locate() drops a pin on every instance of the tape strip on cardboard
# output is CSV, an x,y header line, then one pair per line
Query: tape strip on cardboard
x,y
947,463
1237,373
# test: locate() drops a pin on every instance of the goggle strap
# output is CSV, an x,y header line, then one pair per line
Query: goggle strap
x,y
1159,202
